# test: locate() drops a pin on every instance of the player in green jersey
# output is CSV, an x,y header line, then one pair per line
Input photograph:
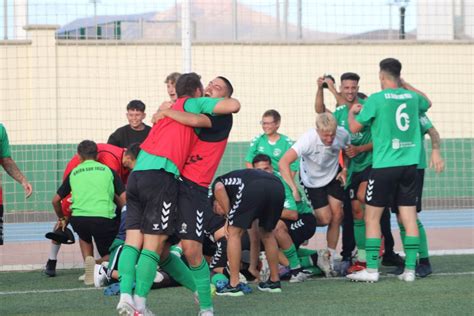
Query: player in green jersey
x,y
96,191
270,142
7,162
275,145
423,268
360,154
393,116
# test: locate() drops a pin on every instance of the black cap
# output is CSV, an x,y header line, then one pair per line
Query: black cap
x,y
62,237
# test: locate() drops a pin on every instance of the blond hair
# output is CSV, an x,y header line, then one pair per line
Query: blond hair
x,y
325,122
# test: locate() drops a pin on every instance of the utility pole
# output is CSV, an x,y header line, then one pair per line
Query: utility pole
x,y
285,17
299,13
5,19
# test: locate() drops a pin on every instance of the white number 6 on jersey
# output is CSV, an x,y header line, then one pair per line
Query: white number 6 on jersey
x,y
402,119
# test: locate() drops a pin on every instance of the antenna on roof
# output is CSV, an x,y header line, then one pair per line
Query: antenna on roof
x,y
94,2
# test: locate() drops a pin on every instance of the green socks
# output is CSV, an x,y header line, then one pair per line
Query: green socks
x,y
359,236
423,241
126,268
146,272
176,268
411,245
372,248
423,250
402,232
202,279
305,252
290,253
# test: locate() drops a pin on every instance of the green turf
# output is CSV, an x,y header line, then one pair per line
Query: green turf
x,y
439,294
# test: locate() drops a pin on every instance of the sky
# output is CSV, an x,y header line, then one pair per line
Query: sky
x,y
334,16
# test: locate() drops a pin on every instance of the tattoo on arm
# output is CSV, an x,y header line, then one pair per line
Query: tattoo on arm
x,y
435,138
12,169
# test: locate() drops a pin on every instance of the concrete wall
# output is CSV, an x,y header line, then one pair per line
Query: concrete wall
x,y
64,91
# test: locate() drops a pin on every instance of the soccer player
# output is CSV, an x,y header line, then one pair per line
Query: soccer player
x,y
275,145
393,116
94,188
296,225
360,154
423,268
360,164
152,192
320,174
13,171
135,131
270,142
244,196
170,81
193,204
120,160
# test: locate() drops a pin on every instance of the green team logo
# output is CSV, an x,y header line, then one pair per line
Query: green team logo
x,y
276,152
395,143
355,137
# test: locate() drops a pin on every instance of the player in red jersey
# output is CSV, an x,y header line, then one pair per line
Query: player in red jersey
x,y
116,158
152,194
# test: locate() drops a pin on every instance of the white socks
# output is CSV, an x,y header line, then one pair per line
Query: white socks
x,y
53,252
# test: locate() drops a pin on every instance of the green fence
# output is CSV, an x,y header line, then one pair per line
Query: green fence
x,y
44,165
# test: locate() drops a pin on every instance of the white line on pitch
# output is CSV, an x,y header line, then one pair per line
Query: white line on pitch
x,y
49,291
318,279
384,275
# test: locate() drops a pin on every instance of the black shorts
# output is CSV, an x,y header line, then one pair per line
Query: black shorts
x,y
420,179
219,257
302,229
261,199
152,197
356,179
102,229
392,186
215,223
194,211
318,197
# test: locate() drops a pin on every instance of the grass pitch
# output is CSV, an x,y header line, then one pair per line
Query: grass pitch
x,y
449,291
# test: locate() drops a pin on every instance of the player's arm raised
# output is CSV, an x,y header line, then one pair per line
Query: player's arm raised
x,y
354,125
332,88
319,106
408,86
